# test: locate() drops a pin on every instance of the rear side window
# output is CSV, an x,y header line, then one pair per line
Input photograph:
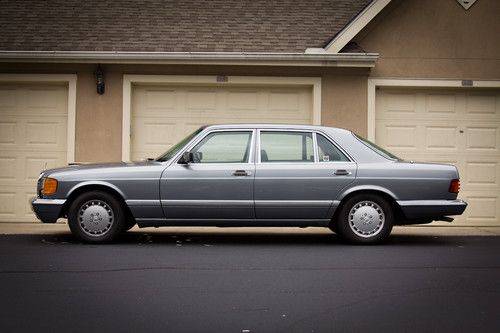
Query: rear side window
x,y
286,147
328,152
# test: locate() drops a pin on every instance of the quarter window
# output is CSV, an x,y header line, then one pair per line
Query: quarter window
x,y
223,147
328,152
286,147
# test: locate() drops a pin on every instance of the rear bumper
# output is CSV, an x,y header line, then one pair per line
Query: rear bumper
x,y
431,209
47,210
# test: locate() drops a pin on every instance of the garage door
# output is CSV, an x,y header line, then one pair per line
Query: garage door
x,y
460,127
33,122
163,115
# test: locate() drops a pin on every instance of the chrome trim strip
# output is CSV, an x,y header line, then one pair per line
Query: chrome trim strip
x,y
407,203
143,202
302,203
207,202
43,201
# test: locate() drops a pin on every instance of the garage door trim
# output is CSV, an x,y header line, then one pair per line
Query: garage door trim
x,y
70,80
129,80
375,83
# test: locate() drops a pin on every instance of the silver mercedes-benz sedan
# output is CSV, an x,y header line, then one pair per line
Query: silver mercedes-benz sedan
x,y
254,175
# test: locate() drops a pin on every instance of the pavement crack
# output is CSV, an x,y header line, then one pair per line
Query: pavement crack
x,y
173,268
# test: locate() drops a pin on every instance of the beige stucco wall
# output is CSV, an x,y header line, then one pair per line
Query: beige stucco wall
x,y
435,39
99,117
344,102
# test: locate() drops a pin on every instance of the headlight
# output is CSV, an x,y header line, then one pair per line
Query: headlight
x,y
49,186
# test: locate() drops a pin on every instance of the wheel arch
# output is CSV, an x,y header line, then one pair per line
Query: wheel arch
x,y
384,193
94,186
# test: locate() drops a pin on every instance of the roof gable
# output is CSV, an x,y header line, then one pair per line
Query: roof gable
x,y
343,37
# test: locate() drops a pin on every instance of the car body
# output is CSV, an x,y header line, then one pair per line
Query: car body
x,y
253,175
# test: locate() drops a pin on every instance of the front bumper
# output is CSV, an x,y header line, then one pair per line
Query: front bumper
x,y
431,209
47,210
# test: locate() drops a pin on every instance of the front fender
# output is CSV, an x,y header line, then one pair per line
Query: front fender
x,y
95,183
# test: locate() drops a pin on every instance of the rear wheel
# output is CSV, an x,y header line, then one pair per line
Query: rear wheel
x,y
365,219
96,217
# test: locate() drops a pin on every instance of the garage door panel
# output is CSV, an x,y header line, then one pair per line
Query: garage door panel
x,y
397,135
441,138
458,127
482,138
7,202
441,104
481,173
42,133
482,208
243,101
7,132
163,115
35,164
14,204
22,166
204,101
7,168
398,102
160,99
482,104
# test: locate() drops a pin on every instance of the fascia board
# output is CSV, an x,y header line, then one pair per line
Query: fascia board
x,y
199,58
356,25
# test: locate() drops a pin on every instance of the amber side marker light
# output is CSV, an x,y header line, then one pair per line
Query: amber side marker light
x,y
49,186
454,186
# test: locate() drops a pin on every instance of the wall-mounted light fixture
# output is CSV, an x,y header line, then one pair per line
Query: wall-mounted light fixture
x,y
99,75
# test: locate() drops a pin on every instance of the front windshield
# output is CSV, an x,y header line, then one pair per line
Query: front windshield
x,y
377,149
175,148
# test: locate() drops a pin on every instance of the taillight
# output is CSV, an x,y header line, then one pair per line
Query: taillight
x,y
454,186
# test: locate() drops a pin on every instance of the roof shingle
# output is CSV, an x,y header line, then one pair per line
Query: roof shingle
x,y
173,25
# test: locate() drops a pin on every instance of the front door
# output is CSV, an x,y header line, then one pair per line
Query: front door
x,y
217,184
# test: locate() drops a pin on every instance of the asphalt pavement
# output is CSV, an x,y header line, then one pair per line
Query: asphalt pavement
x,y
249,282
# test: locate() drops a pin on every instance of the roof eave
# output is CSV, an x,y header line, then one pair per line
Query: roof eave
x,y
195,58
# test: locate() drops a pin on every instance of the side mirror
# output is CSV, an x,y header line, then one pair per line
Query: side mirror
x,y
187,157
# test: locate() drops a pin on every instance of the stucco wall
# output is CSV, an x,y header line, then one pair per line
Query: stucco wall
x,y
435,39
99,117
344,102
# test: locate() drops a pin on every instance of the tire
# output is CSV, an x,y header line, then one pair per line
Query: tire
x,y
365,219
96,217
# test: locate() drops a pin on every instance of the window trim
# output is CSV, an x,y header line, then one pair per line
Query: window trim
x,y
192,144
257,151
349,158
315,146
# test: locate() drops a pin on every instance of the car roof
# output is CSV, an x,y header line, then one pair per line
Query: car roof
x,y
278,126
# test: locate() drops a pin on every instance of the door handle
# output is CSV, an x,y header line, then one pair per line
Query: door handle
x,y
342,172
240,173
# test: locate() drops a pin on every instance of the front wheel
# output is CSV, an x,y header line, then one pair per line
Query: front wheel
x,y
365,219
96,217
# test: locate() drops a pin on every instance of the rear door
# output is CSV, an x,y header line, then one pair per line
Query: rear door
x,y
298,174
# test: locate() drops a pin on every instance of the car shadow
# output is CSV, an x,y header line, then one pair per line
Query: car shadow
x,y
221,238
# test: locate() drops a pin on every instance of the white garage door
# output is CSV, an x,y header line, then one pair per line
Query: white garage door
x,y
33,122
163,115
460,127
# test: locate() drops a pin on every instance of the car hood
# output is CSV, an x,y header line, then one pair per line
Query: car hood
x,y
97,166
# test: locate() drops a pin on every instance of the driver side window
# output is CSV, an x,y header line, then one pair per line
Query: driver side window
x,y
223,147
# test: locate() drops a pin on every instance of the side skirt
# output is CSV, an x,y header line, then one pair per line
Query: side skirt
x,y
143,223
